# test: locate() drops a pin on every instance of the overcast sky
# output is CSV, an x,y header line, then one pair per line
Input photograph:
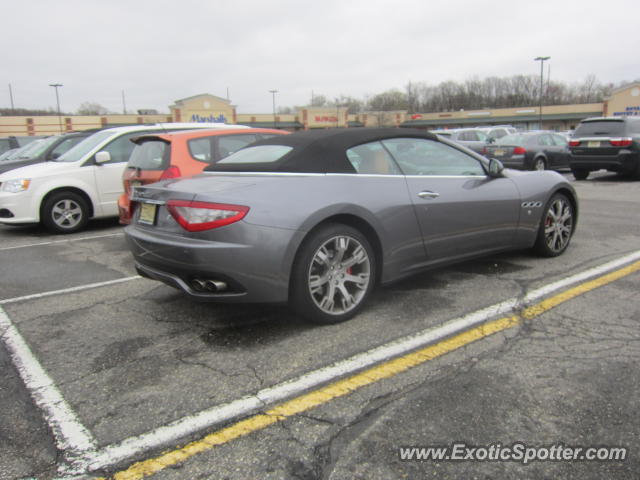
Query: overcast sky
x,y
158,52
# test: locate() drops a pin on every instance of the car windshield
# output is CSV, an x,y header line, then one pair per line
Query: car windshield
x,y
11,155
84,147
36,148
257,154
604,127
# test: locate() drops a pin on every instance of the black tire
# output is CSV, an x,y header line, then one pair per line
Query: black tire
x,y
539,162
555,231
64,212
580,173
352,272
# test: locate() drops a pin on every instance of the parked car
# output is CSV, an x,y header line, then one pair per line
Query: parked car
x,y
538,150
45,150
611,143
83,183
318,218
171,155
494,133
472,138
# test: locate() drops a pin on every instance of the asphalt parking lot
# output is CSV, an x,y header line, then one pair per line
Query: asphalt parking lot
x,y
132,371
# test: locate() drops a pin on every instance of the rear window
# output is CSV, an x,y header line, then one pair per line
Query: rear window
x,y
511,140
604,128
150,155
258,154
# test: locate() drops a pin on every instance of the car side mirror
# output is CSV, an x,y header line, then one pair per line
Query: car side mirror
x,y
491,140
495,168
102,157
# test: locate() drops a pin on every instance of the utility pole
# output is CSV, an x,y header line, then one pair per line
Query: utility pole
x,y
273,93
11,98
56,86
541,60
124,105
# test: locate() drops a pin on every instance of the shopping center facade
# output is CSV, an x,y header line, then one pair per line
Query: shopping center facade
x,y
211,108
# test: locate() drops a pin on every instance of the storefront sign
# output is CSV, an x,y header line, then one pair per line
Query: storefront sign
x,y
628,112
219,119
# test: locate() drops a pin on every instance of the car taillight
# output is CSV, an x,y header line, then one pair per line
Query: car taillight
x,y
574,143
484,150
621,142
171,172
519,151
199,216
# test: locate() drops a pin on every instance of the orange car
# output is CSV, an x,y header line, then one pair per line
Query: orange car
x,y
180,154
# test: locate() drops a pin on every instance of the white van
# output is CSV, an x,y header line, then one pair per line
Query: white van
x,y
83,183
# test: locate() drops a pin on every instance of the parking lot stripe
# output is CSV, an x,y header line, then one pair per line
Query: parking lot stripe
x,y
68,290
473,327
66,240
70,435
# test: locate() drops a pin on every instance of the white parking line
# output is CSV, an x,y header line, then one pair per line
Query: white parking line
x,y
71,436
66,240
165,435
68,290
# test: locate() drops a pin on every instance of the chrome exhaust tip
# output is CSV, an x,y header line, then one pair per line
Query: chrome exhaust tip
x,y
198,285
215,285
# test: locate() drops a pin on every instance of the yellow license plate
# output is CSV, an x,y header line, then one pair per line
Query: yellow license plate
x,y
498,153
593,144
147,213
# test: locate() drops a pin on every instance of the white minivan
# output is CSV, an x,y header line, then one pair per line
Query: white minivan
x,y
83,183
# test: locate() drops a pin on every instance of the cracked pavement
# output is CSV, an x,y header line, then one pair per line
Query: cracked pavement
x,y
135,356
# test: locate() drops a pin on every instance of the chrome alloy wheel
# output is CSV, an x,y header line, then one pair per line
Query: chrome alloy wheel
x,y
339,275
558,224
66,213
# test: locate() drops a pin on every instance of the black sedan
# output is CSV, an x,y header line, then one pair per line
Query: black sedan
x,y
531,151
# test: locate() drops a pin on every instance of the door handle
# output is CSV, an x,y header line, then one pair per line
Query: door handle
x,y
428,194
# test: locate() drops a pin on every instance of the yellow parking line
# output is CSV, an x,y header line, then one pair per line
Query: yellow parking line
x,y
343,387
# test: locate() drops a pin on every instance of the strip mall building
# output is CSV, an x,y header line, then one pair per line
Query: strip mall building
x,y
210,108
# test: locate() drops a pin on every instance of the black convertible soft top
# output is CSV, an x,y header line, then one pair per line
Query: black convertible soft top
x,y
319,151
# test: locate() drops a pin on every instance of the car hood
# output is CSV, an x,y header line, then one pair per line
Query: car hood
x,y
39,170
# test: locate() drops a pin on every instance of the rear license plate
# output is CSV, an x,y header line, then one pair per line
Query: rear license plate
x,y
593,144
498,153
147,214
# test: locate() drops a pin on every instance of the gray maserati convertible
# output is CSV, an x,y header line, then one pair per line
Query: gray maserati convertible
x,y
319,218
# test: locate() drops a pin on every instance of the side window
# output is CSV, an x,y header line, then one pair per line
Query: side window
x,y
546,141
417,156
120,149
233,143
200,149
372,159
466,136
559,141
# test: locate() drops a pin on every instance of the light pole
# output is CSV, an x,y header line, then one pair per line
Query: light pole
x,y
273,94
541,60
56,86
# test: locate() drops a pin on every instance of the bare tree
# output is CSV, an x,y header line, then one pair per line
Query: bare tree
x,y
91,108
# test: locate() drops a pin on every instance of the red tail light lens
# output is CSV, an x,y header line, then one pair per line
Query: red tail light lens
x,y
199,216
171,172
621,142
519,151
574,143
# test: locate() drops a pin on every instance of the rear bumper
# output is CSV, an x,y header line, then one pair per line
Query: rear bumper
x,y
255,267
626,162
